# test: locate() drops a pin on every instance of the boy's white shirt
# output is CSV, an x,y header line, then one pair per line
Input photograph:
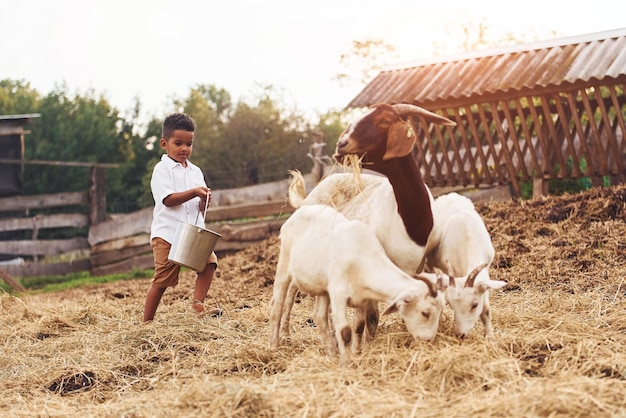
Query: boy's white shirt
x,y
170,177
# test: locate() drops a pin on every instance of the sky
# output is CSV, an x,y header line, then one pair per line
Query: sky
x,y
157,50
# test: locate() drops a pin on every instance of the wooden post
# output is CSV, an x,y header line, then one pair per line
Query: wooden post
x,y
97,195
540,187
11,282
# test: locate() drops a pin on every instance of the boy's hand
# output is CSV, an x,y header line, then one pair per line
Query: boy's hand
x,y
204,193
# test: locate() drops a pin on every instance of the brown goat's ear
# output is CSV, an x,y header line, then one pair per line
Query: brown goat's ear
x,y
400,140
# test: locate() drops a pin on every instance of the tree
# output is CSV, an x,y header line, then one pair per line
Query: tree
x,y
475,35
364,60
17,97
71,129
126,185
261,143
210,107
253,141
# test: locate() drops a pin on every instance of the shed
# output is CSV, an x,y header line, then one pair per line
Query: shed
x,y
12,148
528,112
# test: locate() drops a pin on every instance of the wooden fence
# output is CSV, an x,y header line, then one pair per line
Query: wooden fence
x,y
243,217
121,242
566,135
65,253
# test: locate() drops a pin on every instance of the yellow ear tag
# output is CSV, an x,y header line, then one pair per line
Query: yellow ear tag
x,y
409,133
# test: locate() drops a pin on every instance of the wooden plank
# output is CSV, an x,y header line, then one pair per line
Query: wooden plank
x,y
118,244
467,157
143,262
256,232
504,140
43,201
97,195
122,226
490,194
610,134
43,269
493,149
15,285
595,137
110,257
43,247
513,139
542,135
485,172
72,220
54,163
480,194
536,168
253,210
564,118
231,246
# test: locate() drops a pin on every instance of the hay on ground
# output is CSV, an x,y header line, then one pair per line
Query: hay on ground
x,y
559,346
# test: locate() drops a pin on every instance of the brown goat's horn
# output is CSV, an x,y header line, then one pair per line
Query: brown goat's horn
x,y
473,274
405,109
432,290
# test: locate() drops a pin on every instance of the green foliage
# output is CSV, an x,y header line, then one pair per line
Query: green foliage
x,y
80,128
252,141
365,59
18,98
526,189
559,186
126,185
46,284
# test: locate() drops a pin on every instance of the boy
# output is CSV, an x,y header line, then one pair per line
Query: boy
x,y
180,193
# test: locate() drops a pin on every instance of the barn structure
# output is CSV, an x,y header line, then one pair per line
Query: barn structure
x,y
525,113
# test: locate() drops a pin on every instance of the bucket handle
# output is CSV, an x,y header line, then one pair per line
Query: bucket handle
x,y
206,207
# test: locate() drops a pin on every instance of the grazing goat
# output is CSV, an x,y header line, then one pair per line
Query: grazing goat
x,y
341,262
398,206
464,249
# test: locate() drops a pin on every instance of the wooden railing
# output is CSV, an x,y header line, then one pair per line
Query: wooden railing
x,y
119,243
123,243
580,133
65,252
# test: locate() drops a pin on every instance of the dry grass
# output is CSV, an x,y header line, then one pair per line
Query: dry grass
x,y
559,349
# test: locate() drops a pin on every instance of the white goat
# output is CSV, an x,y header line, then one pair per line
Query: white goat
x,y
398,206
372,202
342,263
464,249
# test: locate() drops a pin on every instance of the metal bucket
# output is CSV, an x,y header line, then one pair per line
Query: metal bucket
x,y
192,246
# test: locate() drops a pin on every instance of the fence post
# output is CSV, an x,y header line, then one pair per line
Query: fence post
x,y
11,281
97,195
540,187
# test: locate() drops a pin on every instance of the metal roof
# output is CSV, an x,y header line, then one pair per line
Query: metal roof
x,y
461,79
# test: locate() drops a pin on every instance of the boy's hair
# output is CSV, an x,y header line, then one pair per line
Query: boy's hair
x,y
177,121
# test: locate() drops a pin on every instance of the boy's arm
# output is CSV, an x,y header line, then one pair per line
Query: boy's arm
x,y
179,198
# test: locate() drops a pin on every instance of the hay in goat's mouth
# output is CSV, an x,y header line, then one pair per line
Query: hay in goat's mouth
x,y
352,163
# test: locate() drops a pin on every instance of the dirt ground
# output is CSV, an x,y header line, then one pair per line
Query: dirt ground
x,y
559,349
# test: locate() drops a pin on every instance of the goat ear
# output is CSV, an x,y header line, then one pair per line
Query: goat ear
x,y
490,284
402,299
400,140
392,308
